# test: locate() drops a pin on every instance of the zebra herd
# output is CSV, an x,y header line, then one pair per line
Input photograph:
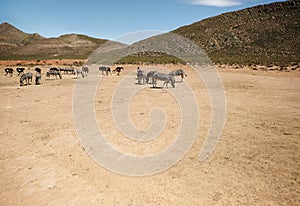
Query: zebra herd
x,y
151,77
55,72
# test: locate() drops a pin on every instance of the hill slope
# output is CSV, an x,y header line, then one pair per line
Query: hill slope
x,y
266,34
15,44
263,34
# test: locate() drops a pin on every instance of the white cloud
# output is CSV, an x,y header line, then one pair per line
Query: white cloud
x,y
217,3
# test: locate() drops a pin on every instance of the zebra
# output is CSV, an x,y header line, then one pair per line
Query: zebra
x,y
66,70
76,72
178,72
167,78
9,71
38,78
118,70
141,75
150,77
54,69
105,69
54,73
38,70
26,77
85,69
20,70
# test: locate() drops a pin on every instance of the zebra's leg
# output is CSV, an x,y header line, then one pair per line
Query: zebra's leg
x,y
154,83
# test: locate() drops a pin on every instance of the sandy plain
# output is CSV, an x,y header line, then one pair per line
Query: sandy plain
x,y
256,161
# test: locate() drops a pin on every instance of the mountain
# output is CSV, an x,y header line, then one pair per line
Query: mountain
x,y
265,34
15,44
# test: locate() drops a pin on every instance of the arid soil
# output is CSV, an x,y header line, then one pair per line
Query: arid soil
x,y
256,161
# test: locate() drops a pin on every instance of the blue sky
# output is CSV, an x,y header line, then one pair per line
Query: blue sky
x,y
112,18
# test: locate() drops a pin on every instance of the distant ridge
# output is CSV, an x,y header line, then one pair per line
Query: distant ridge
x,y
15,44
265,34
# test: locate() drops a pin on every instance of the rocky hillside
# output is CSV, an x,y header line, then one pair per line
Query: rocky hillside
x,y
15,44
265,34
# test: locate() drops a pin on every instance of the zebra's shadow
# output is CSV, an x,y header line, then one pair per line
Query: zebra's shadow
x,y
156,87
50,79
138,84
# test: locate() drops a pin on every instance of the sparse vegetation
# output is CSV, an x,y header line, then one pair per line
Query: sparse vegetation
x,y
150,58
266,34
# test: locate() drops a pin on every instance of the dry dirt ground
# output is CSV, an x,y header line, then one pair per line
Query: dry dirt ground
x,y
256,162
